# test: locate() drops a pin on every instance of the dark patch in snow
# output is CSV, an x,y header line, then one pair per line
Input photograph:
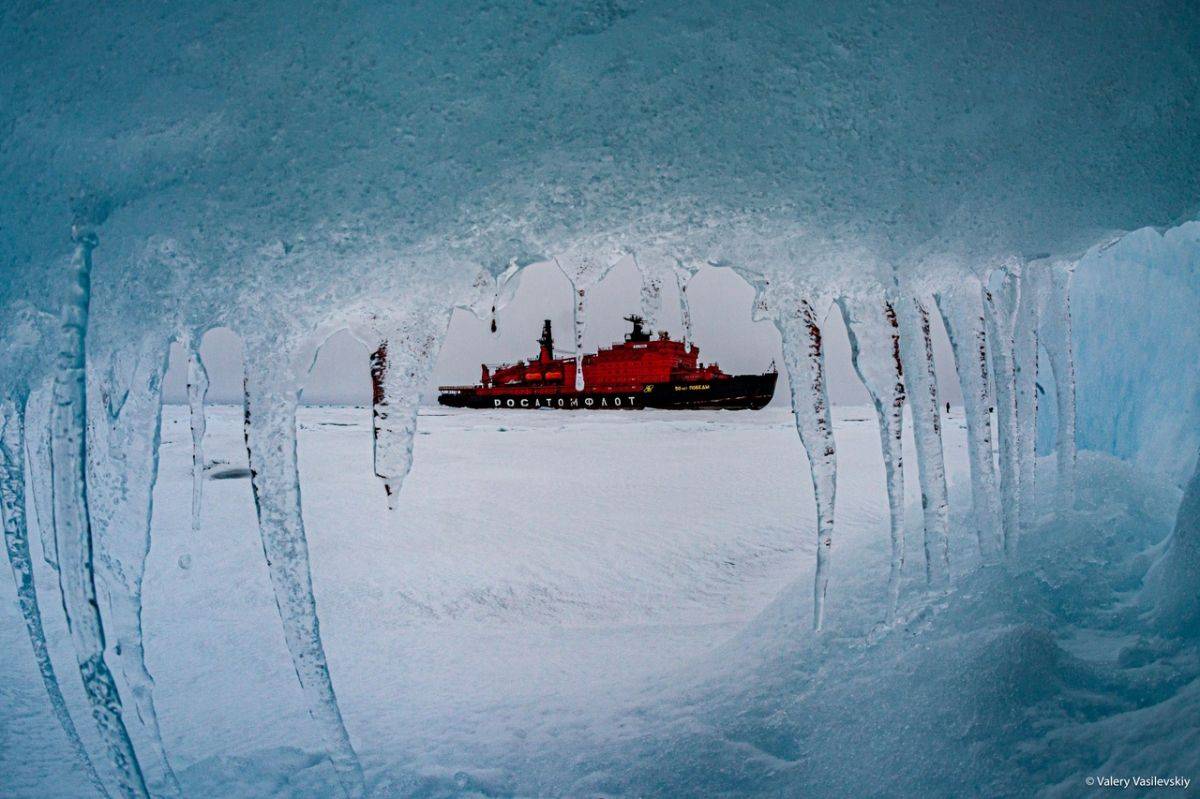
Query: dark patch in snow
x,y
236,473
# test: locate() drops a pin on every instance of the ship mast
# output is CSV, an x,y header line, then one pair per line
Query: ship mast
x,y
546,354
638,334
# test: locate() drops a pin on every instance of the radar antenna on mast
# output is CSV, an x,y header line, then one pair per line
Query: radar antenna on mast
x,y
638,333
546,342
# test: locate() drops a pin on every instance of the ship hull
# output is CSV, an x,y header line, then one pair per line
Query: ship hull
x,y
739,392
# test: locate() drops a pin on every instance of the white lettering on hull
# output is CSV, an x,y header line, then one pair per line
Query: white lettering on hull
x,y
627,401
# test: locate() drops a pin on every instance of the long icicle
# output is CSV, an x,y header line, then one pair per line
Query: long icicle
x,y
41,467
579,319
121,499
16,542
682,276
875,352
77,581
961,308
1055,336
804,355
1000,310
916,353
270,432
197,390
401,367
584,272
1025,377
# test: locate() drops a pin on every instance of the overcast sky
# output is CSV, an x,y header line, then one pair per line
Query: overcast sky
x,y
724,333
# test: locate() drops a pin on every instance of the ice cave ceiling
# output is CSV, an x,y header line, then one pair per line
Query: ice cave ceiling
x,y
286,152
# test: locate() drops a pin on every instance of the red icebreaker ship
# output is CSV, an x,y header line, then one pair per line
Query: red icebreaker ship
x,y
639,372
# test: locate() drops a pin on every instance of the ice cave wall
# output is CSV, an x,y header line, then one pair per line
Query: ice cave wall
x,y
1137,339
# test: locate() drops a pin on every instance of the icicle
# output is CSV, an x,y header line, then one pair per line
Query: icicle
x,y
962,312
656,269
197,389
400,368
916,353
651,301
73,529
580,319
124,442
494,308
652,270
584,272
492,289
1025,375
875,351
507,283
805,359
1000,311
41,468
16,541
270,431
1055,336
682,276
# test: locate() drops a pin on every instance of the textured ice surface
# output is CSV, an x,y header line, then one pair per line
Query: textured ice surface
x,y
298,163
1136,338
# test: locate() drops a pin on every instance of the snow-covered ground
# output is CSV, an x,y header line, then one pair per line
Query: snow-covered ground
x,y
587,604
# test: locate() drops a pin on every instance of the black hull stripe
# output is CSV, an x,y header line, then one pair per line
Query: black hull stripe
x,y
743,392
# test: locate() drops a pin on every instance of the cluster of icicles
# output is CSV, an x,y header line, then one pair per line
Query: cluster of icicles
x,y
89,494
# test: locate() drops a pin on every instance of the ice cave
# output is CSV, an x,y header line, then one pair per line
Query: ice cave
x,y
245,594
